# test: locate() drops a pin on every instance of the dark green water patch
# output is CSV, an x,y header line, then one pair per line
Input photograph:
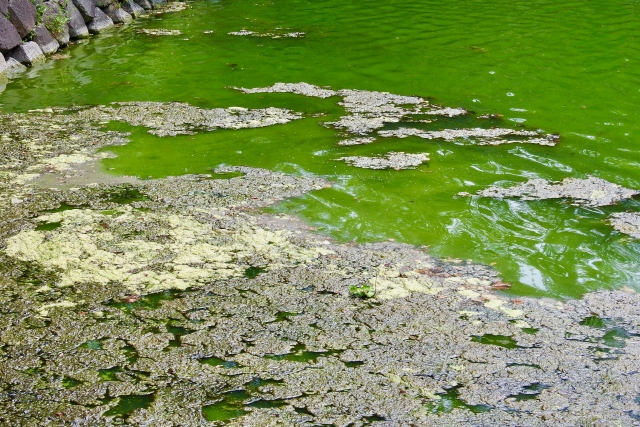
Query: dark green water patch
x,y
282,316
530,392
499,340
130,353
69,382
300,354
35,323
593,321
302,411
265,404
253,272
129,403
216,361
177,331
109,374
615,337
449,401
49,226
124,196
231,406
372,419
234,404
92,344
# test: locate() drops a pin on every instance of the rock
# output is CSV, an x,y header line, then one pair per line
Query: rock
x,y
9,37
157,3
3,65
14,67
77,27
55,18
117,14
145,4
100,23
22,14
28,53
103,3
4,7
132,8
87,9
45,40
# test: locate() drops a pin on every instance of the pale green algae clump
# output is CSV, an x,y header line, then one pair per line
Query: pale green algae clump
x,y
89,246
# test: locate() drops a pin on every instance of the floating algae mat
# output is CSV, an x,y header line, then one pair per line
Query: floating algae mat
x,y
211,169
540,69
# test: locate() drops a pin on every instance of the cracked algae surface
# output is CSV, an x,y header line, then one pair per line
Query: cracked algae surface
x,y
175,302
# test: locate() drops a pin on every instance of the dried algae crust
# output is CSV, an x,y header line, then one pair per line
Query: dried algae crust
x,y
183,306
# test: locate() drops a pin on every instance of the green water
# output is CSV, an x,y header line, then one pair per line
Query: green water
x,y
565,67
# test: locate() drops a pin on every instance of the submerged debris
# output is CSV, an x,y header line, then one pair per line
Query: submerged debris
x,y
175,118
159,32
391,160
627,223
582,192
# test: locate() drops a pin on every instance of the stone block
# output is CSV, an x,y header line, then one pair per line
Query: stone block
x,y
87,9
132,8
22,14
3,65
9,37
55,18
28,54
158,3
45,40
4,7
117,14
77,27
100,23
145,4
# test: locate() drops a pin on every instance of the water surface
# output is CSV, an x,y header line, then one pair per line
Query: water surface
x,y
569,68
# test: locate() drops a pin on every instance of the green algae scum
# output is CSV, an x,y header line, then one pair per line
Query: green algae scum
x,y
187,203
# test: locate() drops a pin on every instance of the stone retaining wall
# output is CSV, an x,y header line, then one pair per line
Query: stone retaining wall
x,y
30,31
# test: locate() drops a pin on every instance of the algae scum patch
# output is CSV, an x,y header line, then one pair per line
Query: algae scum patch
x,y
176,301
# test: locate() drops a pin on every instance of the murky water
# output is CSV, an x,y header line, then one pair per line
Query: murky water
x,y
568,68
